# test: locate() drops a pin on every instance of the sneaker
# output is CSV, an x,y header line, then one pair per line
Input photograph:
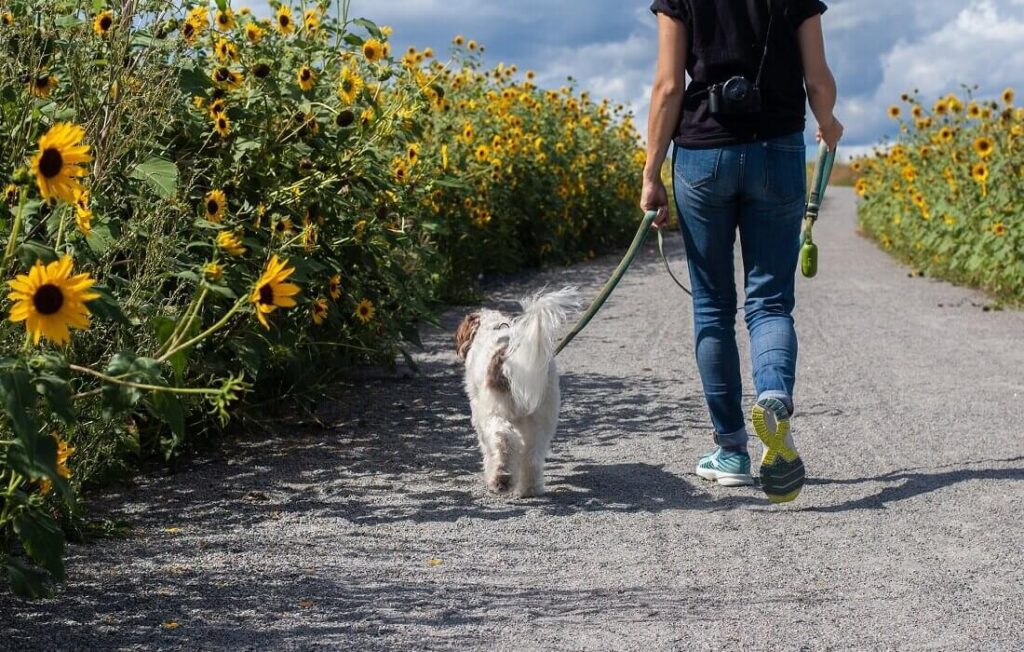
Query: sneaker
x,y
782,470
729,469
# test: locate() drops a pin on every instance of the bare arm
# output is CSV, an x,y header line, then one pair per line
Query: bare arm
x,y
821,85
666,103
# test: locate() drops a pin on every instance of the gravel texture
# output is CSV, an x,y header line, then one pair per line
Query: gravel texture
x,y
375,532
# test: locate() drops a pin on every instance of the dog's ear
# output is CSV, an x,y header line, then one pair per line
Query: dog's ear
x,y
465,333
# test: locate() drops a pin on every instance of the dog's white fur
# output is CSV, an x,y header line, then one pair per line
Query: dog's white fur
x,y
512,382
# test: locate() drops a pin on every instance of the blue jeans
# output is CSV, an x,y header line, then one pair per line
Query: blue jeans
x,y
758,188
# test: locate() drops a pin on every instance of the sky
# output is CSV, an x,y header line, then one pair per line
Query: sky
x,y
877,49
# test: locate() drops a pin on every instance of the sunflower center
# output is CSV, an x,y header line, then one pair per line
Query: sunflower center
x,y
106,22
48,299
266,294
51,162
212,206
222,74
284,21
306,73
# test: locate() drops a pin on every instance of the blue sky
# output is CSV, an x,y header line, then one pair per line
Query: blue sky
x,y
877,48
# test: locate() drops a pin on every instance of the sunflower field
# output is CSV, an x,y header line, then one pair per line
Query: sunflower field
x,y
205,211
946,197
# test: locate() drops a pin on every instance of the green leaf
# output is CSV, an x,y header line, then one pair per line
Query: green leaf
x,y
57,392
167,407
369,26
160,174
106,306
222,5
31,251
27,582
19,399
42,539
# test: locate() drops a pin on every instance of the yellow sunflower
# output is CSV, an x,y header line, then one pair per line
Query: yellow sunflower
x,y
11,194
83,212
319,310
230,243
225,19
999,229
367,117
311,21
284,21
254,33
399,169
42,85
973,111
213,271
216,204
217,107
334,286
222,125
272,291
306,77
283,226
58,163
373,50
7,19
63,453
365,310
226,78
412,152
49,300
946,135
861,187
894,111
984,146
1008,96
226,51
102,23
349,85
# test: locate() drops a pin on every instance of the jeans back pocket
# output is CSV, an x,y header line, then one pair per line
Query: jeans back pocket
x,y
696,168
786,169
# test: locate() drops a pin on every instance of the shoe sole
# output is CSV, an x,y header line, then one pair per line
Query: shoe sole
x,y
726,479
782,470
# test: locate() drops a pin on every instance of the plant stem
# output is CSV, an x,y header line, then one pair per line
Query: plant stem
x,y
209,331
12,243
152,388
185,323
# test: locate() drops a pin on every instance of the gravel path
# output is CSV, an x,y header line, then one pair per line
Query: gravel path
x,y
376,533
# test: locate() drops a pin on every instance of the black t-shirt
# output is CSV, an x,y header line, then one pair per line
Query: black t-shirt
x,y
727,38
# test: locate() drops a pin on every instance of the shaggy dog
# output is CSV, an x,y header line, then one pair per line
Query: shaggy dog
x,y
512,383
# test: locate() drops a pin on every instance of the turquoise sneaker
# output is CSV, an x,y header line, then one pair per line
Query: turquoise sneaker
x,y
726,468
782,470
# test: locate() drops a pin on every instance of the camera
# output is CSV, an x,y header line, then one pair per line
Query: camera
x,y
734,97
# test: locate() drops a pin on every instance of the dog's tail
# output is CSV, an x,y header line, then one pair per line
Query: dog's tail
x,y
532,344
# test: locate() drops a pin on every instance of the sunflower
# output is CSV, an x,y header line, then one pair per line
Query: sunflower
x,y
334,286
999,229
49,300
373,50
63,453
222,125
225,19
471,45
254,33
482,153
345,118
309,237
349,85
367,117
861,187
894,111
973,111
284,21
102,23
399,169
217,107
216,204
271,291
230,243
83,212
226,78
319,310
57,163
458,41
7,19
213,271
413,153
984,146
42,85
365,310
909,173
11,194
946,135
226,51
444,157
189,32
283,226
306,77
1008,96
311,21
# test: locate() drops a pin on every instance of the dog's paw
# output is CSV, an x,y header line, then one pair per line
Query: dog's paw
x,y
500,483
530,492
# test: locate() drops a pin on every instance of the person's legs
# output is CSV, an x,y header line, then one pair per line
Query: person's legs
x,y
769,223
705,182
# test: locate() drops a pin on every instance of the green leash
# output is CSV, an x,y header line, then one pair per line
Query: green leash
x,y
822,173
808,250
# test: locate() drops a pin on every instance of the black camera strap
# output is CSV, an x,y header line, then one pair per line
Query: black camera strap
x,y
767,40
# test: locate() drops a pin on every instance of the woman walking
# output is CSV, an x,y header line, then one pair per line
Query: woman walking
x,y
739,165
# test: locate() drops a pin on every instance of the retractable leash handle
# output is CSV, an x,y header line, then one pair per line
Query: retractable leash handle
x,y
606,291
822,174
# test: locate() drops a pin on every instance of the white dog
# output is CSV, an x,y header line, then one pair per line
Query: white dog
x,y
512,382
